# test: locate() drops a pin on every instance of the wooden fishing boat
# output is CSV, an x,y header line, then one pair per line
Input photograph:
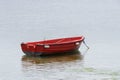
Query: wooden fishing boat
x,y
52,46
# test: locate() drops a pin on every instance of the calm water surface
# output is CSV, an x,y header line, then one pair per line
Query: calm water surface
x,y
33,20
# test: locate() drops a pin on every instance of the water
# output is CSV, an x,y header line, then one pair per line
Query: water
x,y
34,20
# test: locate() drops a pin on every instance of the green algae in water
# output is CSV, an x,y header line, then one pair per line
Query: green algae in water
x,y
88,70
102,73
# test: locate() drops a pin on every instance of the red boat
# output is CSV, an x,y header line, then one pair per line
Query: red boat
x,y
52,46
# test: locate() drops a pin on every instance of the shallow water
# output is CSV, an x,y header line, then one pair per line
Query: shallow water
x,y
98,21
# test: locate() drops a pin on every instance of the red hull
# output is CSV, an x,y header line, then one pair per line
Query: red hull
x,y
52,46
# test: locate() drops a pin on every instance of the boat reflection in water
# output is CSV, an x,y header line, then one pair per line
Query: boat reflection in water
x,y
51,67
64,57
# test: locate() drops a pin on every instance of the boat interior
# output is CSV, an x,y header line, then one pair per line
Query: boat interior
x,y
58,41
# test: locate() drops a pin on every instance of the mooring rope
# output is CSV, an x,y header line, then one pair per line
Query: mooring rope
x,y
85,44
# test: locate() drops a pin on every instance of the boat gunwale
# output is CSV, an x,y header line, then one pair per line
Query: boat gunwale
x,y
57,43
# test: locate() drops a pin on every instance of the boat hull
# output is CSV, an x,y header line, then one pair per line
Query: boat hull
x,y
55,46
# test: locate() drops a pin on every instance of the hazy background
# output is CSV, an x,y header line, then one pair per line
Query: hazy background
x,y
33,20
